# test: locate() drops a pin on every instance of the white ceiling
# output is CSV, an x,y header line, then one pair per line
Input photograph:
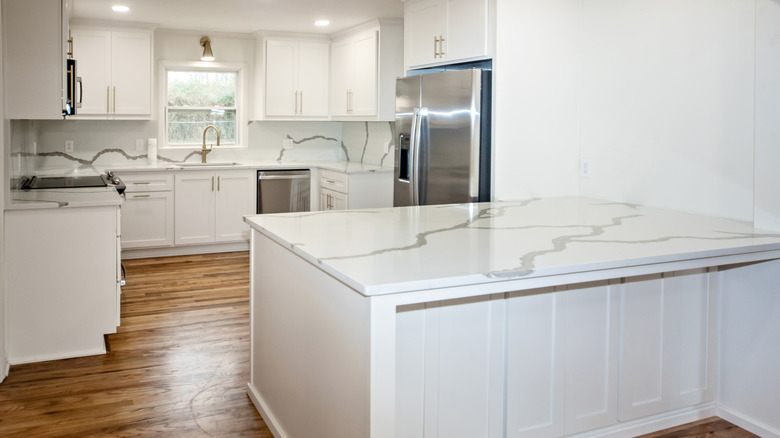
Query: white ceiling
x,y
242,16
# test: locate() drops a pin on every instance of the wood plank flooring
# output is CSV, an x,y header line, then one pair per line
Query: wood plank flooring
x,y
178,366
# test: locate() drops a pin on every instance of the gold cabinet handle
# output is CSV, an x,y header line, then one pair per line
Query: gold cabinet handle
x,y
108,99
142,196
114,99
145,182
296,103
301,102
441,46
435,46
212,183
219,184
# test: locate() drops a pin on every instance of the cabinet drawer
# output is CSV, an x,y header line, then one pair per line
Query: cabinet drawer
x,y
336,181
148,182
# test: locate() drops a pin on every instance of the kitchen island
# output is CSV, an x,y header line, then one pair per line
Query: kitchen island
x,y
544,317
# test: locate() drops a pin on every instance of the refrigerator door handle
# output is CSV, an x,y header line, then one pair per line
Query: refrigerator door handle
x,y
414,177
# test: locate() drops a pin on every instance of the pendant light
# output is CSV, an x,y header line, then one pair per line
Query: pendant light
x,y
207,54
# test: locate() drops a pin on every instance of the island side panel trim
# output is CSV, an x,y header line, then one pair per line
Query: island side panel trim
x,y
310,346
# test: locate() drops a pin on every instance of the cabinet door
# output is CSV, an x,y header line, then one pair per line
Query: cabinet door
x,y
466,29
668,340
423,22
281,82
34,58
235,198
342,70
92,51
535,365
313,62
131,73
591,348
194,207
364,84
147,219
330,200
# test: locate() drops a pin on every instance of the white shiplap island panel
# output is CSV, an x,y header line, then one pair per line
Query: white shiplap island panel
x,y
543,317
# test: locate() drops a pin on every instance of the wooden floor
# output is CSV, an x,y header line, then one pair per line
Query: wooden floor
x,y
178,366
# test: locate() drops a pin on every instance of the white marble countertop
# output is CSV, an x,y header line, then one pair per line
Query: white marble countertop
x,y
339,166
62,198
383,251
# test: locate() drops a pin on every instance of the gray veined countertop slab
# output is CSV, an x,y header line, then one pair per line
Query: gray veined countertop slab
x,y
63,198
393,250
339,166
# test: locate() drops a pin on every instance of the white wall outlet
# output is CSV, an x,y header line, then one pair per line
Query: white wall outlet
x,y
139,144
586,168
68,145
287,143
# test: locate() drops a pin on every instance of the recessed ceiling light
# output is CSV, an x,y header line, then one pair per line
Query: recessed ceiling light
x,y
120,8
321,23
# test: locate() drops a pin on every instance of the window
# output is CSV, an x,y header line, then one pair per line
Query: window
x,y
195,97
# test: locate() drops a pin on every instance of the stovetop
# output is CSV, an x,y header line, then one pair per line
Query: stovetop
x,y
67,182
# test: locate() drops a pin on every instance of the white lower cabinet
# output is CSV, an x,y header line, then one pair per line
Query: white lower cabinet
x,y
341,191
147,214
209,206
557,361
668,343
332,200
62,285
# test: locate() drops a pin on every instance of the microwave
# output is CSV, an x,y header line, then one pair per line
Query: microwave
x,y
72,81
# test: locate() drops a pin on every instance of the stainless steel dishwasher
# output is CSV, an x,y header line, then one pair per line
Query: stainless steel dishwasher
x,y
283,191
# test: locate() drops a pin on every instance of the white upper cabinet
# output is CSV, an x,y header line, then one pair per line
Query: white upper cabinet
x,y
365,61
116,72
354,76
447,31
35,39
296,78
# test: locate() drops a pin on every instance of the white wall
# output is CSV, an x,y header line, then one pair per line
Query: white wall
x,y
767,196
536,126
3,357
659,94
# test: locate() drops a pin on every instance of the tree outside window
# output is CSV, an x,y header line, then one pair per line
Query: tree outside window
x,y
196,99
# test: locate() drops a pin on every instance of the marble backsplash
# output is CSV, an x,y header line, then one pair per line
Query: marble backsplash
x,y
39,145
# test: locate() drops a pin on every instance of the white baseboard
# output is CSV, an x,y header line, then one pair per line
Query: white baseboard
x,y
142,253
4,370
652,424
748,423
265,412
44,358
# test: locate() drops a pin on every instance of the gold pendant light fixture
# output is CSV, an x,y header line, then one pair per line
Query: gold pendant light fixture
x,y
207,54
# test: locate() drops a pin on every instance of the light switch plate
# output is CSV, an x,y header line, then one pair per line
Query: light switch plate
x,y
287,143
68,145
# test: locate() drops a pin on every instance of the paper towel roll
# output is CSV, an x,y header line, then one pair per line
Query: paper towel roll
x,y
152,150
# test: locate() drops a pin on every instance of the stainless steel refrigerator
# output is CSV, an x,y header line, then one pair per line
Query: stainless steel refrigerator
x,y
442,123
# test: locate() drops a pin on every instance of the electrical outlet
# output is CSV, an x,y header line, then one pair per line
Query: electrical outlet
x,y
287,143
586,168
139,144
68,145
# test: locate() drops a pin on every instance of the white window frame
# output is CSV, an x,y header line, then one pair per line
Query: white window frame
x,y
241,107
